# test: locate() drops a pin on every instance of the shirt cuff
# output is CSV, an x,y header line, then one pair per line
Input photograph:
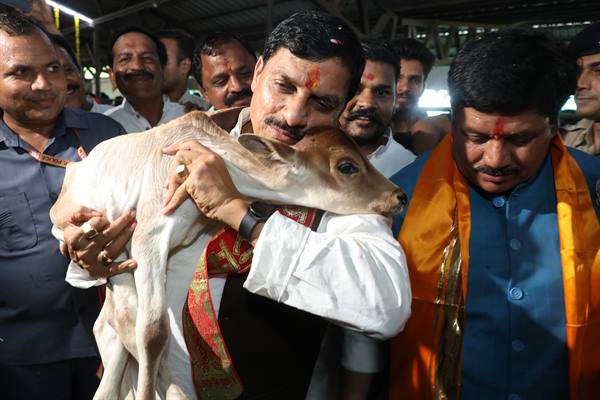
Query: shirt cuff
x,y
80,278
275,260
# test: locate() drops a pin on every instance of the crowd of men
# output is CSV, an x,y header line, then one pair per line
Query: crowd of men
x,y
487,285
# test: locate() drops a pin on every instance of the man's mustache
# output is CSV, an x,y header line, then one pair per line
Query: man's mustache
x,y
292,131
368,114
405,95
136,74
42,96
235,96
504,171
585,94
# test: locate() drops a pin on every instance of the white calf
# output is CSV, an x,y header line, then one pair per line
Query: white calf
x,y
326,172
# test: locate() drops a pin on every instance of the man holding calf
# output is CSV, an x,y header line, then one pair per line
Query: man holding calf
x,y
310,67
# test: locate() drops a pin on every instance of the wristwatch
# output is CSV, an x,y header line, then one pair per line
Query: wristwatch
x,y
257,213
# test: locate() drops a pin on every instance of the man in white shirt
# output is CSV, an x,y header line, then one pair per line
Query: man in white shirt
x,y
368,115
180,51
223,66
299,274
138,59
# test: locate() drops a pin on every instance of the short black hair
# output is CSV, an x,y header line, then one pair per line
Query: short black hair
x,y
411,49
512,71
380,51
59,40
185,42
15,23
317,36
210,45
160,47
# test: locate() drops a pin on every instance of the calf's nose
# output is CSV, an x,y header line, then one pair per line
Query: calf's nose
x,y
399,201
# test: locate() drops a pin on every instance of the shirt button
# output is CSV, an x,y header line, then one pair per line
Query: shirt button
x,y
518,345
515,244
498,201
516,293
514,396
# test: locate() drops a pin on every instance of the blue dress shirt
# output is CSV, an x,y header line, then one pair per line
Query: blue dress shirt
x,y
514,344
42,318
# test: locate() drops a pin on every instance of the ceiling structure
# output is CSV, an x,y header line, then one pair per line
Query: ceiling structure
x,y
442,25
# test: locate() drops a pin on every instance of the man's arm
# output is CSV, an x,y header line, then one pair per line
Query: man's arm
x,y
351,271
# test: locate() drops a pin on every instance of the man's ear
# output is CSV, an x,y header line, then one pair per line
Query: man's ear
x,y
271,153
202,90
258,69
113,79
185,66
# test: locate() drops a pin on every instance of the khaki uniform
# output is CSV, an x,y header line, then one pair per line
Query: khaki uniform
x,y
581,136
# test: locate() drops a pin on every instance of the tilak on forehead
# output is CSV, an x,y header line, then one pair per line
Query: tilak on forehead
x,y
499,128
370,76
313,77
227,63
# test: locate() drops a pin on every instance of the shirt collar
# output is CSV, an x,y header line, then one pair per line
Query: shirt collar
x,y
243,117
66,119
384,147
126,105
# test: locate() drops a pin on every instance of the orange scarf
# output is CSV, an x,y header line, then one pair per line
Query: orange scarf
x,y
426,356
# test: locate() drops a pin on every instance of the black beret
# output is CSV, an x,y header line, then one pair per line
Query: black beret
x,y
587,41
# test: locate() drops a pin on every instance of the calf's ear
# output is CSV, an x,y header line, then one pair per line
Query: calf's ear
x,y
268,151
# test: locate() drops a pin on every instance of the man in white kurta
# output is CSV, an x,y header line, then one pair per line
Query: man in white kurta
x,y
349,270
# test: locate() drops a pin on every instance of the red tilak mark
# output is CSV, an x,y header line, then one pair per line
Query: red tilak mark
x,y
370,77
312,78
499,128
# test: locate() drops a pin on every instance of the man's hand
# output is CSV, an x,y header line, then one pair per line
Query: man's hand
x,y
94,254
207,181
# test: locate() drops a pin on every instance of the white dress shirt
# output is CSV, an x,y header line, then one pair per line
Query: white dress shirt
x,y
390,157
132,121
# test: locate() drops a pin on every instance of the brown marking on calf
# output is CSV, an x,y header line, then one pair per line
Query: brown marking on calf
x,y
327,147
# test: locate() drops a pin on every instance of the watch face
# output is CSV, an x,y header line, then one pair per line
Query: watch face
x,y
261,210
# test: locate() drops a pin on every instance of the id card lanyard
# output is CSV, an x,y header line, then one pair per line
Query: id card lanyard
x,y
57,161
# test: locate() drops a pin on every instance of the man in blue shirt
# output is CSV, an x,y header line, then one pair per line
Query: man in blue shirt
x,y
502,237
46,347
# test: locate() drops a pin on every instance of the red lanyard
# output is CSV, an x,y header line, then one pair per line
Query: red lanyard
x,y
57,161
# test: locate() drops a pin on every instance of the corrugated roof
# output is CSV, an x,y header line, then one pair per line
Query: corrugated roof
x,y
250,17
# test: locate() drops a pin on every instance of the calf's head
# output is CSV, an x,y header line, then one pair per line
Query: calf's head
x,y
326,170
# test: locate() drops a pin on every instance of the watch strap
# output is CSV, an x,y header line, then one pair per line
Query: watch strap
x,y
257,213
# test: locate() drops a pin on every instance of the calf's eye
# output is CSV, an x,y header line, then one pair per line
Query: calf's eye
x,y
347,168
